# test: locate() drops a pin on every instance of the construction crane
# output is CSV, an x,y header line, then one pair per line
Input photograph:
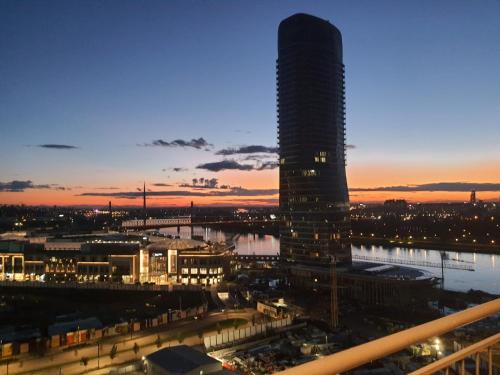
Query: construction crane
x,y
334,303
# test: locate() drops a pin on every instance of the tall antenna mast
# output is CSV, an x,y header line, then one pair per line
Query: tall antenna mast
x,y
144,206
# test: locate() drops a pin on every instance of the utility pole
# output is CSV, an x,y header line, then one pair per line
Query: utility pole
x,y
334,308
191,219
110,215
443,256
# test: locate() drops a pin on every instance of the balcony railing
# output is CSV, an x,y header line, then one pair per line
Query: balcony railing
x,y
362,354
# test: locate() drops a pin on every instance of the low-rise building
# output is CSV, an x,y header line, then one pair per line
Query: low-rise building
x,y
181,360
187,261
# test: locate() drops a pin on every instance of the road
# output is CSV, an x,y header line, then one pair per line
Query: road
x,y
69,362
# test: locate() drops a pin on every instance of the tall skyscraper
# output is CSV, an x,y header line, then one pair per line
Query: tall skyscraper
x,y
314,200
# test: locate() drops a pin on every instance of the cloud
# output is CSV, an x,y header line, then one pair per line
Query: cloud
x,y
236,192
437,186
267,165
225,164
243,192
197,143
17,186
57,146
247,150
246,201
176,169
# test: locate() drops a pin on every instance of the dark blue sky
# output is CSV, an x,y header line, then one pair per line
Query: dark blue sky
x,y
422,82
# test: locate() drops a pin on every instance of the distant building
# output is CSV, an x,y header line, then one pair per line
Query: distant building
x,y
187,261
398,204
278,308
92,261
314,201
473,197
181,360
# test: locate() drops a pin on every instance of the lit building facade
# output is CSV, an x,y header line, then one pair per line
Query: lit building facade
x,y
314,201
188,262
93,262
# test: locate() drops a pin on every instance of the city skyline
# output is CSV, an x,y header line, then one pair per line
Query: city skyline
x,y
99,98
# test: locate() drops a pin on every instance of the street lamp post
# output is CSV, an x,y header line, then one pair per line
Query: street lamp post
x,y
98,353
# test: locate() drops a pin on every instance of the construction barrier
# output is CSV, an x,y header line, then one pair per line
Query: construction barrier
x,y
231,336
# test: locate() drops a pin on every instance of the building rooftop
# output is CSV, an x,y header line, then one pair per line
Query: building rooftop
x,y
378,270
176,244
180,359
74,325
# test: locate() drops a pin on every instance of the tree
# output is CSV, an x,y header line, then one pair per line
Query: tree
x,y
236,323
113,351
136,348
84,361
158,341
180,338
41,348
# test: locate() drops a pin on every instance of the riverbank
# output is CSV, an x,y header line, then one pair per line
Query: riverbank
x,y
425,244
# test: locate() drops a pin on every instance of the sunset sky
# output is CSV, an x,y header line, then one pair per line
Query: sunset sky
x,y
97,97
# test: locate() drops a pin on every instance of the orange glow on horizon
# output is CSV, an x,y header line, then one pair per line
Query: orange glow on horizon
x,y
359,176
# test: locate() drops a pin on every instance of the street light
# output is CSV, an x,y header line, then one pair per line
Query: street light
x,y
98,353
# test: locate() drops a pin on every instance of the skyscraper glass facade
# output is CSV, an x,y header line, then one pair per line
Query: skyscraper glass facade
x,y
314,199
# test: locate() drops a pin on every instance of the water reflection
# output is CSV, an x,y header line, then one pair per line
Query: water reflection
x,y
486,276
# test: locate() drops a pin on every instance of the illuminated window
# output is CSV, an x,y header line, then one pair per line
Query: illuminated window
x,y
309,172
320,157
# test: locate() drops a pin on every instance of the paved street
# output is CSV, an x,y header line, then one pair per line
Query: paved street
x,y
68,362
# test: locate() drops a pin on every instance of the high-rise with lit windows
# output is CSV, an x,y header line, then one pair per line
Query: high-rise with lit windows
x,y
314,199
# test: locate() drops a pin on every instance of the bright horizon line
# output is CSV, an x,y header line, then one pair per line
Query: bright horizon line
x,y
187,205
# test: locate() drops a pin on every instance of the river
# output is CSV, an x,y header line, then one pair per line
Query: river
x,y
485,277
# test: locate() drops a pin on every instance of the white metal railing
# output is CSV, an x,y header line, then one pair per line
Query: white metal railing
x,y
138,223
474,350
362,354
